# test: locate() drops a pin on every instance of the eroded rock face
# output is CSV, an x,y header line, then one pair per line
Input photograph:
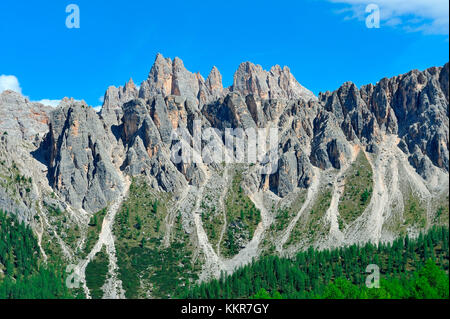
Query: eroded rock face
x,y
79,150
214,83
23,125
115,98
21,118
330,148
413,106
16,198
146,132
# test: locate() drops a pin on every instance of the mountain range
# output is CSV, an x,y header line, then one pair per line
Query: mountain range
x,y
354,165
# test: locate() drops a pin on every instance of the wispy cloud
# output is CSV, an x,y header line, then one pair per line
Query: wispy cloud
x,y
52,103
426,16
9,82
98,108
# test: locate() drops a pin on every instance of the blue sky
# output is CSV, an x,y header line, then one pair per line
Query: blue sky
x,y
324,42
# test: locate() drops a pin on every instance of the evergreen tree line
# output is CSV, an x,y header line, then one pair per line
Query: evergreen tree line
x,y
23,275
312,273
19,252
430,282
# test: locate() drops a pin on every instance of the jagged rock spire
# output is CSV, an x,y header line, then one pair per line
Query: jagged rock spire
x,y
170,77
214,82
251,79
115,98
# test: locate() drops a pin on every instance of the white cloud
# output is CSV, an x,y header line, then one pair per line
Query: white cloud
x,y
427,16
9,82
98,108
52,103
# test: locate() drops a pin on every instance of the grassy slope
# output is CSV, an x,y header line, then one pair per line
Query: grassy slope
x,y
311,225
146,267
357,192
242,218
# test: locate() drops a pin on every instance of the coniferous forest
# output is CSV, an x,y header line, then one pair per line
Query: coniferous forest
x,y
409,268
23,274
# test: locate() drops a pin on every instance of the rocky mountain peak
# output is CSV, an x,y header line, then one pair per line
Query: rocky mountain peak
x,y
214,82
169,77
21,118
115,98
12,96
160,60
178,64
278,83
130,86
